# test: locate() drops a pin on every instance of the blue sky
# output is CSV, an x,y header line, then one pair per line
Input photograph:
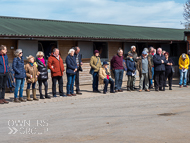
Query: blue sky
x,y
157,13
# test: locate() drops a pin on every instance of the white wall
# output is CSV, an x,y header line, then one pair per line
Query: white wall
x,y
28,47
86,49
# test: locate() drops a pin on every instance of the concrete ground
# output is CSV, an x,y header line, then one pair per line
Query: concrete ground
x,y
128,117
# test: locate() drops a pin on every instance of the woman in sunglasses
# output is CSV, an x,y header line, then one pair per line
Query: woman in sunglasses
x,y
20,74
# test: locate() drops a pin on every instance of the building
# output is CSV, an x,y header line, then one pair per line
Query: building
x,y
33,35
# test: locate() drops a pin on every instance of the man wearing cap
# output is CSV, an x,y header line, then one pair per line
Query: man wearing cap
x,y
188,74
144,66
159,70
183,68
105,77
95,64
117,67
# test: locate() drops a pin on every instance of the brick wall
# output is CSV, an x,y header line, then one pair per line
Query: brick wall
x,y
112,48
9,44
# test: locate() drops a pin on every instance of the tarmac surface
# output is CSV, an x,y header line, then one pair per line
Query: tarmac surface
x,y
127,117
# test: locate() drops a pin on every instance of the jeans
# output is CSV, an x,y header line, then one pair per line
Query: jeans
x,y
183,77
144,78
151,80
118,78
40,86
106,81
19,84
3,81
33,85
95,81
70,83
60,81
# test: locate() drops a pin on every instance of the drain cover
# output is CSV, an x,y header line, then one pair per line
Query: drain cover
x,y
167,114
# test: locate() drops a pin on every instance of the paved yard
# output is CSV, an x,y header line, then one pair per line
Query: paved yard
x,y
128,117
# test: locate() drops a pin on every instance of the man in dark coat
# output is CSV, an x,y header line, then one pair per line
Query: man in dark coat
x,y
159,70
78,57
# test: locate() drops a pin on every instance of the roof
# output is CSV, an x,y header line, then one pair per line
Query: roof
x,y
41,28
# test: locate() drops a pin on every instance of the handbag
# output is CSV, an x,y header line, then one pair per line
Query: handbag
x,y
173,69
92,70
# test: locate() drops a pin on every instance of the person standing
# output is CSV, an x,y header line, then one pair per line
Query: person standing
x,y
183,68
55,64
20,74
43,77
95,64
151,54
135,58
159,70
131,71
144,66
117,67
188,74
105,77
169,70
31,78
78,57
3,73
71,72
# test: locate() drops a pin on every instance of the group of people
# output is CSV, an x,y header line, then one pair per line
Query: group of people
x,y
152,65
36,70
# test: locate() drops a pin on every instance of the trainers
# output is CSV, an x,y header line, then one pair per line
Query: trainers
x,y
185,86
180,86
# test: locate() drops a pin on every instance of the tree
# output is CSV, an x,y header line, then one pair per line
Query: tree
x,y
186,15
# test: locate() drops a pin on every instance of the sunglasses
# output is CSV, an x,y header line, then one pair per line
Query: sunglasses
x,y
20,53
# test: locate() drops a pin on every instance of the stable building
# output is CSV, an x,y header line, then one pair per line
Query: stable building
x,y
33,35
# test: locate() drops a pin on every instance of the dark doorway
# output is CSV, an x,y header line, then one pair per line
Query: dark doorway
x,y
47,47
102,47
140,47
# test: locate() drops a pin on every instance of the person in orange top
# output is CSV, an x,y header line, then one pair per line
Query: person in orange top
x,y
55,64
183,69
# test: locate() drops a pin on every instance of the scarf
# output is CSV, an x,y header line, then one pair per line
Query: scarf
x,y
32,64
42,60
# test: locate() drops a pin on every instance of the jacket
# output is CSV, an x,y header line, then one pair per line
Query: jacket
x,y
3,64
139,67
134,55
93,62
168,67
117,62
42,69
79,68
18,67
184,63
31,70
158,65
56,66
102,75
71,64
130,66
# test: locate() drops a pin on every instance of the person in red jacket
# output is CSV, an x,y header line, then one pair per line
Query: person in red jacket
x,y
55,64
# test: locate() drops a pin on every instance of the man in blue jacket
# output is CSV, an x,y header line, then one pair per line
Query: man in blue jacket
x,y
3,73
159,70
78,57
